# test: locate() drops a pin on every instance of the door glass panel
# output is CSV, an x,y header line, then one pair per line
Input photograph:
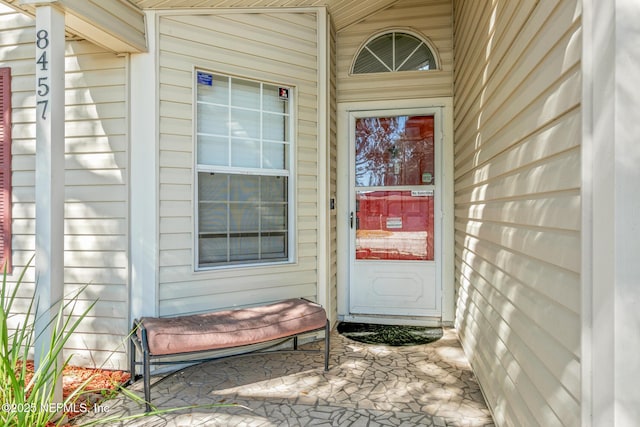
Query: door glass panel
x,y
394,151
394,178
394,225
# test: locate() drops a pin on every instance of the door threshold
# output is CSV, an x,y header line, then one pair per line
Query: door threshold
x,y
392,320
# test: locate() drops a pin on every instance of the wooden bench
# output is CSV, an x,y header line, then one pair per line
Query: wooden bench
x,y
156,338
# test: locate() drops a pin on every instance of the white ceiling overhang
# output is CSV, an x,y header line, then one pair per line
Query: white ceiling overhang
x,y
343,12
119,26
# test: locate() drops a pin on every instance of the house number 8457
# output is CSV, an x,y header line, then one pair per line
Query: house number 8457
x,y
42,42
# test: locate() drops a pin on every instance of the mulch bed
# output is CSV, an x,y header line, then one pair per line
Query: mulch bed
x,y
101,383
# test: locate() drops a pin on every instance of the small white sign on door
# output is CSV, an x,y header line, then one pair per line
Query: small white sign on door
x,y
394,222
421,193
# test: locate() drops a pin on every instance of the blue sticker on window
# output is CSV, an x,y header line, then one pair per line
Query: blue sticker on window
x,y
205,78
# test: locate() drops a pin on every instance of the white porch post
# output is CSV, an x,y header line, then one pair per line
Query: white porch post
x,y
611,214
144,191
324,171
50,117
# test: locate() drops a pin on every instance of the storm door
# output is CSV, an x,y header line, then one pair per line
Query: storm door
x,y
394,226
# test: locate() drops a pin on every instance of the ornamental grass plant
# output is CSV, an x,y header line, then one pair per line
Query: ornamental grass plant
x,y
28,398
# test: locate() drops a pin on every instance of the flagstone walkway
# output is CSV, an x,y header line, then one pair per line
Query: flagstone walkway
x,y
367,385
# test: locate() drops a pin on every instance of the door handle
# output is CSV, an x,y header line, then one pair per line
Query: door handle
x,y
351,220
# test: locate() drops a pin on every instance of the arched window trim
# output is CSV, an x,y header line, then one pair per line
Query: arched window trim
x,y
427,42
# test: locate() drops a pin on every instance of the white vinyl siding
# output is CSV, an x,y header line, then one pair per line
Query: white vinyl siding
x,y
96,194
433,21
96,191
276,47
517,205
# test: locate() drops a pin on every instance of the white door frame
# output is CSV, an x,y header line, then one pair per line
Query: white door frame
x,y
423,277
343,205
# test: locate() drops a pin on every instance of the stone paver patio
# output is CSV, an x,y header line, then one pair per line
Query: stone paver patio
x,y
367,385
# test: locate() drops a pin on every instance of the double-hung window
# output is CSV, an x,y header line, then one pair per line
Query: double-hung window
x,y
243,164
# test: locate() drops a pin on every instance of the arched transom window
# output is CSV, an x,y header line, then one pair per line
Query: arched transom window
x,y
394,51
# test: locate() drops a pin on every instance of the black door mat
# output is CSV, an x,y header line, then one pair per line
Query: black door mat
x,y
393,335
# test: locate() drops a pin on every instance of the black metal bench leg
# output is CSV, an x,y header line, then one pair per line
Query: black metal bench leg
x,y
146,368
147,381
327,345
132,360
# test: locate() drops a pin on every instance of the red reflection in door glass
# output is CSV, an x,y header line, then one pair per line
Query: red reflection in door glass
x,y
394,225
394,151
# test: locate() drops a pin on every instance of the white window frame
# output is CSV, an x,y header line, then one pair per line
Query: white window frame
x,y
288,171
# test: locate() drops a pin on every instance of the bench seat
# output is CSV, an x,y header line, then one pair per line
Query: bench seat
x,y
158,337
232,328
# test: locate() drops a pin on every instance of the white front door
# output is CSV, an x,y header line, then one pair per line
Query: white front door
x,y
395,213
